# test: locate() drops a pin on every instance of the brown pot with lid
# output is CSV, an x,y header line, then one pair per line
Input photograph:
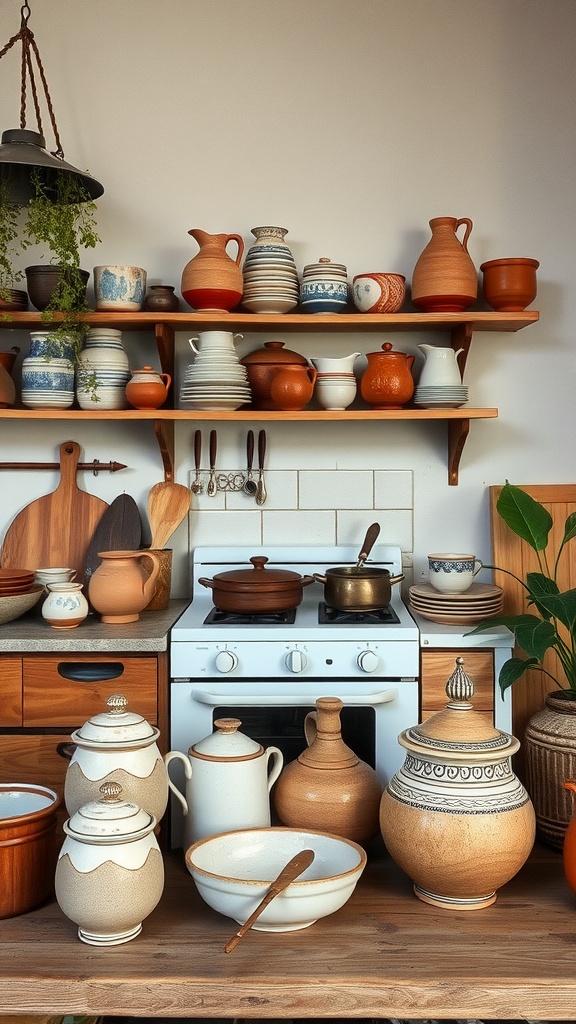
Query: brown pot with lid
x,y
257,590
262,366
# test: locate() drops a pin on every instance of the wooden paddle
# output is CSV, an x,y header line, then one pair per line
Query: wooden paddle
x,y
55,530
120,529
168,505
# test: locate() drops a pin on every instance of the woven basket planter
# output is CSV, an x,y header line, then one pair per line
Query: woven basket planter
x,y
550,748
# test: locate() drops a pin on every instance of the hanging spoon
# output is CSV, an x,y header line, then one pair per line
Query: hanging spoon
x,y
249,483
197,486
293,868
212,484
261,493
369,541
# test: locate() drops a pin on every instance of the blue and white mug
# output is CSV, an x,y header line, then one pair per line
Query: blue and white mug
x,y
452,573
119,288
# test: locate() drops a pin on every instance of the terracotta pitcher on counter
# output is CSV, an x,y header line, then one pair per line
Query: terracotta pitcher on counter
x,y
212,281
120,587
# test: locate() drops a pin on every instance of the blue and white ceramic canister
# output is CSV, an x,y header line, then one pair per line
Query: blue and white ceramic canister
x,y
47,383
119,288
49,344
324,287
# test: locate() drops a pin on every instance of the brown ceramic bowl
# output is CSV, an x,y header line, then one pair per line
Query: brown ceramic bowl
x,y
509,285
27,846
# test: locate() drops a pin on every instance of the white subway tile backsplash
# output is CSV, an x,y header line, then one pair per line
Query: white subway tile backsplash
x,y
393,489
300,527
226,528
395,527
335,489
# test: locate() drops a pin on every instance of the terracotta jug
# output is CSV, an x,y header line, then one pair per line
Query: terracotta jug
x,y
121,588
444,278
7,389
293,387
328,787
569,845
212,280
387,382
148,389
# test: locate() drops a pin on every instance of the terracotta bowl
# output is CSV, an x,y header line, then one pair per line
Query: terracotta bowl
x,y
509,285
27,846
233,871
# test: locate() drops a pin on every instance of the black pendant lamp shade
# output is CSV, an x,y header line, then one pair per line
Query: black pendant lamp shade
x,y
24,160
23,156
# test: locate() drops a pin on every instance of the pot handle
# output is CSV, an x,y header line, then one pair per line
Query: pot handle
x,y
310,727
277,757
396,579
306,581
177,755
319,577
205,582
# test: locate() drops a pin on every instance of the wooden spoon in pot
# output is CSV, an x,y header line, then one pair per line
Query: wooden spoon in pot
x,y
292,869
168,505
369,541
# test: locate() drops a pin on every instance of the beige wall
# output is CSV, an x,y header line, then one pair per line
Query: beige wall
x,y
352,125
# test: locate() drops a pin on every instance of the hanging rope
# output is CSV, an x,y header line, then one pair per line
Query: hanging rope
x,y
30,52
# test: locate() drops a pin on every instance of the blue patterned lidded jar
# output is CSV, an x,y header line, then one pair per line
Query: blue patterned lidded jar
x,y
324,287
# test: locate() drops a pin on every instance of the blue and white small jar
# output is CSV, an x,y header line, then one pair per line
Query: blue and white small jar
x,y
47,383
324,287
65,607
119,288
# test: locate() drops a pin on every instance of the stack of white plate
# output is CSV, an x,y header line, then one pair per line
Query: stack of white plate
x,y
441,396
215,382
480,601
270,280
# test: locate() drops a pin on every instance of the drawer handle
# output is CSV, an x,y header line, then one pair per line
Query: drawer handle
x,y
66,750
90,672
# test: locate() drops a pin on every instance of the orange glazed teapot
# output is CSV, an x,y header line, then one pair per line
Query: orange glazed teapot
x,y
387,382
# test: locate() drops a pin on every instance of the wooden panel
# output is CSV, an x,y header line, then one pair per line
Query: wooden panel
x,y
51,700
513,554
437,667
10,691
35,759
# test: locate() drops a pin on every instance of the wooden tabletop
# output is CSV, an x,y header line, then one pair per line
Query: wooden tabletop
x,y
385,954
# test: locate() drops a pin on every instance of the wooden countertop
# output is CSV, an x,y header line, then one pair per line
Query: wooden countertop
x,y
385,954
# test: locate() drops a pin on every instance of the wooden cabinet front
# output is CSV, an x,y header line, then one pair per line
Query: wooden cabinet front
x,y
438,665
10,691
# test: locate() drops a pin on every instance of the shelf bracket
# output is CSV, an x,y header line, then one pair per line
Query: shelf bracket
x,y
461,337
164,430
164,335
457,434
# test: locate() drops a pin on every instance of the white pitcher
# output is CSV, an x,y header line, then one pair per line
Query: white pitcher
x,y
214,344
333,364
441,366
228,782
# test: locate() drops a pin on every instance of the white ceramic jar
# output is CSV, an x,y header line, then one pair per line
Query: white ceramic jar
x,y
65,607
228,781
117,746
110,872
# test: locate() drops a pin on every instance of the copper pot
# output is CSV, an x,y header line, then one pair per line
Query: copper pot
x,y
351,589
257,590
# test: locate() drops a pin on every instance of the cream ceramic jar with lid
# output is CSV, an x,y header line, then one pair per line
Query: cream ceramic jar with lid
x,y
117,746
110,872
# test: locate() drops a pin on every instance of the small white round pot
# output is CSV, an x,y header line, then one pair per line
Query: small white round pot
x,y
110,872
228,782
117,746
65,607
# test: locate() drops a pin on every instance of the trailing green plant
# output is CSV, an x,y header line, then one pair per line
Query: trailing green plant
x,y
9,231
550,621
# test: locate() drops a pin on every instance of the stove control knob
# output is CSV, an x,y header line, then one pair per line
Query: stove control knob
x,y
226,661
296,661
368,661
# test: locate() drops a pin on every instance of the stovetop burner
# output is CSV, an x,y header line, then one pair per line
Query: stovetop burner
x,y
217,617
377,616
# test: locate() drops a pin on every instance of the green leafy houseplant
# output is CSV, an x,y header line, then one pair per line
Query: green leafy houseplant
x,y
9,231
549,622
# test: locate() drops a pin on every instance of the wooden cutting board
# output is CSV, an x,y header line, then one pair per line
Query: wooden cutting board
x,y
120,529
56,529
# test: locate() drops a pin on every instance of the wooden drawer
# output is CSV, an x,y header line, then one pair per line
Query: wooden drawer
x,y
52,699
437,667
35,759
10,691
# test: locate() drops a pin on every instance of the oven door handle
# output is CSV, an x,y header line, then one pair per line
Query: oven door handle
x,y
289,700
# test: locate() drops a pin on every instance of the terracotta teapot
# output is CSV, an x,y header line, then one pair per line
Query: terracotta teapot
x,y
116,745
212,281
387,381
148,389
444,278
228,781
293,387
120,587
328,787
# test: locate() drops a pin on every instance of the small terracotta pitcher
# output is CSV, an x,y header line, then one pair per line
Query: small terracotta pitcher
x,y
387,382
293,387
212,281
148,389
121,588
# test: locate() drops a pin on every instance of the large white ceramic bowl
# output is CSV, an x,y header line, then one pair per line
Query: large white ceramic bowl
x,y
233,871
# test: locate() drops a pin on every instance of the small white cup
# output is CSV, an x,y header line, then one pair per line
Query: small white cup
x,y
119,288
452,573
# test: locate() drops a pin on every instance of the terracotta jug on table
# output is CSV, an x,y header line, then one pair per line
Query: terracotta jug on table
x,y
212,280
444,278
328,787
120,587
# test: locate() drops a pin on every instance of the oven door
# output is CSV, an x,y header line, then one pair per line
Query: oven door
x,y
273,713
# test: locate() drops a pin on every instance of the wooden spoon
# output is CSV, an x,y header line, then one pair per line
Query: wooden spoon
x,y
369,541
168,505
293,868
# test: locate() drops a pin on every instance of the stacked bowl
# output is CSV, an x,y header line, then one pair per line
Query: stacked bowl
x,y
18,593
270,277
216,380
336,383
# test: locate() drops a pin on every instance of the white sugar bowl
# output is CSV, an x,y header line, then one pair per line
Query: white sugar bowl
x,y
110,872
